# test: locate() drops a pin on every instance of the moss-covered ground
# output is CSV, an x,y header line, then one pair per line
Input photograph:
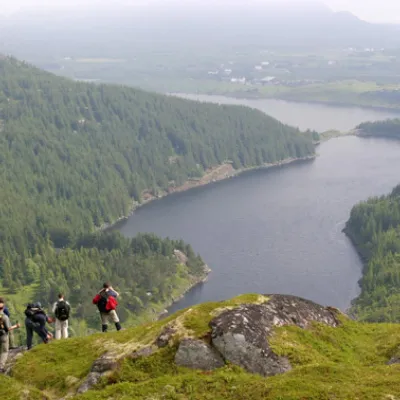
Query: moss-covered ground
x,y
347,362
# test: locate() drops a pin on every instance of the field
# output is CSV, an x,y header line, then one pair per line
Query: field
x,y
342,76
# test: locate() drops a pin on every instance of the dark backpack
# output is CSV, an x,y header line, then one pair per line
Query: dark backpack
x,y
29,312
102,304
3,327
62,310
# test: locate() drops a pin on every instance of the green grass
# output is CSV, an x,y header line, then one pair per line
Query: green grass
x,y
347,362
11,389
50,367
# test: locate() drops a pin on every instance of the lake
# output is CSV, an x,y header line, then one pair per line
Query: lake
x,y
305,115
279,230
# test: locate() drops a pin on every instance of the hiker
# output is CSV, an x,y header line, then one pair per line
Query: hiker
x,y
5,328
106,301
35,321
61,310
11,338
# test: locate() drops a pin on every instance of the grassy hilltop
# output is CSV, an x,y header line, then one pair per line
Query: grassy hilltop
x,y
346,362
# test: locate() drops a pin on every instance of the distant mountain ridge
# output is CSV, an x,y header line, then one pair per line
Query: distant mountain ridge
x,y
197,23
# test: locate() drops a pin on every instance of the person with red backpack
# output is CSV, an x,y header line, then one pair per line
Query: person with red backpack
x,y
106,302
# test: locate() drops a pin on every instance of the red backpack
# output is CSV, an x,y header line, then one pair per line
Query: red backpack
x,y
105,303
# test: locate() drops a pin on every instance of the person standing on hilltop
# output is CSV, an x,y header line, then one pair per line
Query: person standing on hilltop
x,y
5,329
10,333
61,310
106,301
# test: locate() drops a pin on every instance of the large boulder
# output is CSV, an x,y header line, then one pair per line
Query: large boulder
x,y
197,354
241,334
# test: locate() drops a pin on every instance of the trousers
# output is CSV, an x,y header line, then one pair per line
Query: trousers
x,y
39,328
4,349
61,329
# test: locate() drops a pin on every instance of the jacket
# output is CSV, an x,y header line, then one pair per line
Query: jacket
x,y
110,304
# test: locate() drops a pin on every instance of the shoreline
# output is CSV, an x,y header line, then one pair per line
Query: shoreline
x,y
194,282
247,96
213,175
216,174
350,311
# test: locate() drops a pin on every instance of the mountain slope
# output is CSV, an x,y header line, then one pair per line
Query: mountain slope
x,y
340,360
75,156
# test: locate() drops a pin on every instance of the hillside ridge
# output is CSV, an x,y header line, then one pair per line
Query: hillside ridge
x,y
215,350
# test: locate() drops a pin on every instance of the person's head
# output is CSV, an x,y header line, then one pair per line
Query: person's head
x,y
106,285
2,303
38,305
60,296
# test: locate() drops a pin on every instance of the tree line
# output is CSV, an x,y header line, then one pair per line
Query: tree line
x,y
75,156
388,128
374,227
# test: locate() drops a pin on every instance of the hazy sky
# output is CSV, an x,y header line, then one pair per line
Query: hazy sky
x,y
370,10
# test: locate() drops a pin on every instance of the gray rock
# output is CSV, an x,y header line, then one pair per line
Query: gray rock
x,y
104,364
91,380
107,362
241,335
165,336
393,360
145,352
13,356
197,354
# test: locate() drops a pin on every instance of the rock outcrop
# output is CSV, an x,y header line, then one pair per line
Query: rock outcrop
x,y
241,335
165,336
197,354
13,356
102,366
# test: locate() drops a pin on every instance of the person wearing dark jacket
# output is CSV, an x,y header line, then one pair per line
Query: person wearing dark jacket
x,y
106,301
35,321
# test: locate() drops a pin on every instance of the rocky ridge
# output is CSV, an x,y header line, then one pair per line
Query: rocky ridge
x,y
258,339
237,334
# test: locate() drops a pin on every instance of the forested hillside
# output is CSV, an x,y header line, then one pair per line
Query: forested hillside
x,y
388,128
374,227
74,156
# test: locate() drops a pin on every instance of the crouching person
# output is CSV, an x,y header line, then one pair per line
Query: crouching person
x,y
106,301
61,310
35,321
5,329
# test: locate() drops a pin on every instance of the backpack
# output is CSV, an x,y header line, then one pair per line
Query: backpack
x,y
102,304
3,327
62,310
29,312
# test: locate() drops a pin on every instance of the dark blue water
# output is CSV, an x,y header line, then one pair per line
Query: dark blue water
x,y
280,230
